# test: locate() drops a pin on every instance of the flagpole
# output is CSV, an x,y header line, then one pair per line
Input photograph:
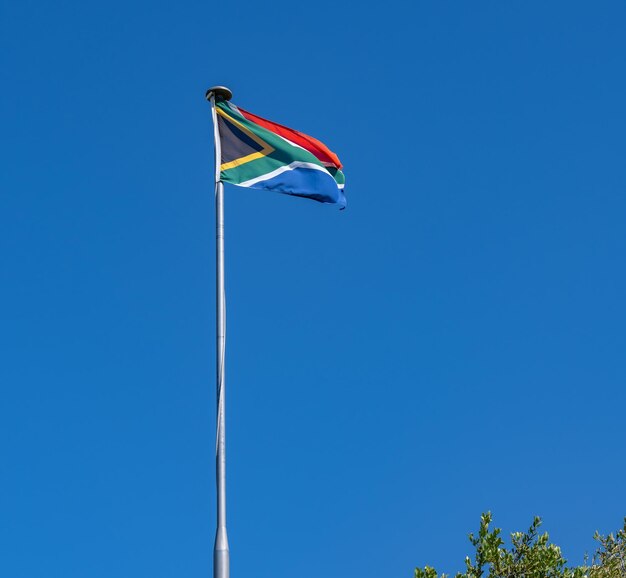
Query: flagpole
x,y
221,553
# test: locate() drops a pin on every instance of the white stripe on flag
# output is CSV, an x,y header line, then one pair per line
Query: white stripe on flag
x,y
293,144
280,170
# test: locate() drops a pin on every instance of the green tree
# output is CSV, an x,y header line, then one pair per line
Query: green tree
x,y
609,560
531,555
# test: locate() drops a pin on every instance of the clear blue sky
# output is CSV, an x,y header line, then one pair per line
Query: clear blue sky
x,y
453,342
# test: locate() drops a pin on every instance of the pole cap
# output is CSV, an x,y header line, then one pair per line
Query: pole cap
x,y
219,92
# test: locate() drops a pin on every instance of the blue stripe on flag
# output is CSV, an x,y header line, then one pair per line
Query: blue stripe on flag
x,y
303,182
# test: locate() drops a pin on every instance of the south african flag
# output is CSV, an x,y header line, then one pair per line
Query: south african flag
x,y
262,154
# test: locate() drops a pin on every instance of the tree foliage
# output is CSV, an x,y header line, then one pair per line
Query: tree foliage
x,y
531,555
610,558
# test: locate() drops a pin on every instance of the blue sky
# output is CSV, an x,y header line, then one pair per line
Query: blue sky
x,y
451,343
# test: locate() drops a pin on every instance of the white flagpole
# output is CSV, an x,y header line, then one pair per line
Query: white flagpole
x,y
221,553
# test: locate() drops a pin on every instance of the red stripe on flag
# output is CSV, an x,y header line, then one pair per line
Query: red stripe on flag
x,y
315,147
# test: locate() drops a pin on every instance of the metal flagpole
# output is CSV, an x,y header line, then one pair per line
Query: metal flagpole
x,y
221,553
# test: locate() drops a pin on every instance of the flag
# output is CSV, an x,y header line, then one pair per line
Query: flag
x,y
262,154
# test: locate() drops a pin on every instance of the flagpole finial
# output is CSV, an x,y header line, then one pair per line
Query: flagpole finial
x,y
219,92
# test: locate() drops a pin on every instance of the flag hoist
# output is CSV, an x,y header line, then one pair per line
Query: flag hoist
x,y
254,152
